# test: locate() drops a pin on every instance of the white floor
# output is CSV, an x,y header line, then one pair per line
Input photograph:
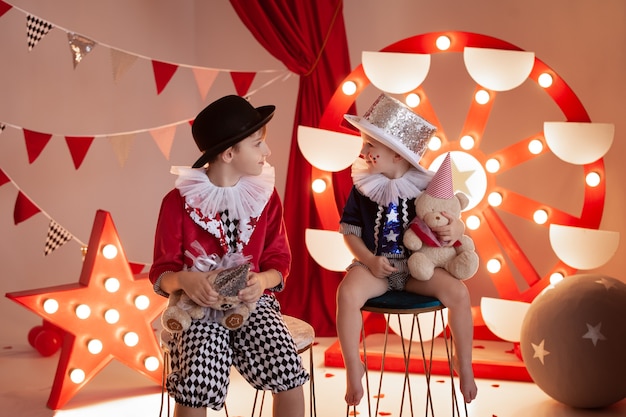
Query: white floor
x,y
26,379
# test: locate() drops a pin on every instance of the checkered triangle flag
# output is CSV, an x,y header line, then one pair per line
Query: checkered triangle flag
x,y
57,236
36,29
2,127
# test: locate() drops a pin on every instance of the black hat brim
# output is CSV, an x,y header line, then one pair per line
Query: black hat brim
x,y
266,112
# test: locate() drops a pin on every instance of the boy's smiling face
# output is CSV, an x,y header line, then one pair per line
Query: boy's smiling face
x,y
250,153
380,158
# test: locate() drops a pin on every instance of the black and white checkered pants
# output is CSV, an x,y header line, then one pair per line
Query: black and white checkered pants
x,y
263,352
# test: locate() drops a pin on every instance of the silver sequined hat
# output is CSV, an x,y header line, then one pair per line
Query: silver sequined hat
x,y
396,126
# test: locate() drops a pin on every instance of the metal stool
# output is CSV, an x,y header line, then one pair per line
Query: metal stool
x,y
304,336
397,303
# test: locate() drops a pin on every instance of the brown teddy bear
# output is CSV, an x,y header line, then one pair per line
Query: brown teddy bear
x,y
461,259
229,311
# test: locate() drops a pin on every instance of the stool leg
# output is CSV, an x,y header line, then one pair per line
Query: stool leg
x,y
449,345
312,401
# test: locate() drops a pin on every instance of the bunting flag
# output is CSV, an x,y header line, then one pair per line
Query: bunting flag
x,y
163,73
36,29
121,146
204,80
80,46
35,142
4,7
4,178
121,62
164,138
24,208
2,127
57,237
136,268
242,81
78,146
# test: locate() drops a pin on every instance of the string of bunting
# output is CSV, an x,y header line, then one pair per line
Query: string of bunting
x,y
80,47
57,235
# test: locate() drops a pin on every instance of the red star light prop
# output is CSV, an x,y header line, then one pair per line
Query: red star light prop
x,y
108,314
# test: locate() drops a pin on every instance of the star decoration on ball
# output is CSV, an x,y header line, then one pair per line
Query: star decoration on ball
x,y
107,315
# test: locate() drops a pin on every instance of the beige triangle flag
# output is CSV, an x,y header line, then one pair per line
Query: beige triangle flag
x,y
204,79
164,137
121,62
121,146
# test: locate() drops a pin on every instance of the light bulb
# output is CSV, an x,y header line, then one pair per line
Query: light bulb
x,y
494,265
131,339
482,97
349,88
443,43
111,316
492,165
151,363
473,222
94,346
318,185
545,80
51,306
535,146
109,251
83,311
555,278
494,199
592,179
435,143
412,100
77,375
540,216
142,302
112,284
467,142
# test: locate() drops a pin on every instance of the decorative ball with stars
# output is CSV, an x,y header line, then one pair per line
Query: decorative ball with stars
x,y
573,341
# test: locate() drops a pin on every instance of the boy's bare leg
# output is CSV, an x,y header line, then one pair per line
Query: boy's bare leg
x,y
184,411
358,286
289,403
455,296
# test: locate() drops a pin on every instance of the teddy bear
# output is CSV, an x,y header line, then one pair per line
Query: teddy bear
x,y
460,260
229,311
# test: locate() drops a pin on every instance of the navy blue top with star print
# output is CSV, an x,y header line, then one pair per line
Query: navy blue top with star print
x,y
380,227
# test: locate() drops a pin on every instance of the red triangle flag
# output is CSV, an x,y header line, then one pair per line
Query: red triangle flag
x,y
24,208
4,178
163,73
78,146
136,268
35,142
4,7
242,81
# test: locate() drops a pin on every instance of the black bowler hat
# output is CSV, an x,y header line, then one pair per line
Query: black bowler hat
x,y
225,122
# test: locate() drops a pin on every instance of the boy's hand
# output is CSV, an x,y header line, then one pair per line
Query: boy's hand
x,y
380,267
451,232
254,288
196,286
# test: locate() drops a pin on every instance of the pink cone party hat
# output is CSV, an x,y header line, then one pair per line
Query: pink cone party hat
x,y
442,186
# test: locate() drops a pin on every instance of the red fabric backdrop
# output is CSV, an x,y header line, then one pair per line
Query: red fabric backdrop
x,y
309,38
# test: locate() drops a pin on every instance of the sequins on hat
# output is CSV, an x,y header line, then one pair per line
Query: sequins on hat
x,y
396,126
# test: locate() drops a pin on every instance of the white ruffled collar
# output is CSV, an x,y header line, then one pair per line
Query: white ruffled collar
x,y
244,200
383,190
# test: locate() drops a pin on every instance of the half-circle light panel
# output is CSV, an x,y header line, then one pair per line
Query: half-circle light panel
x,y
498,69
579,143
583,248
328,249
504,317
395,72
427,322
328,150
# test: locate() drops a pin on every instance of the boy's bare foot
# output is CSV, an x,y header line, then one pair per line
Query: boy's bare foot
x,y
466,380
354,384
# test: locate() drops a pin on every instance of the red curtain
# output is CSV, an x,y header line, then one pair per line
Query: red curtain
x,y
309,38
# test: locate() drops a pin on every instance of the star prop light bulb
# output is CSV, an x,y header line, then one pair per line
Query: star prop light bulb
x,y
83,311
